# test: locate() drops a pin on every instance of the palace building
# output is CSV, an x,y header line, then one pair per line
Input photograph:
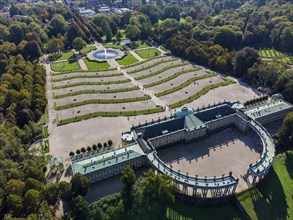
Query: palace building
x,y
188,125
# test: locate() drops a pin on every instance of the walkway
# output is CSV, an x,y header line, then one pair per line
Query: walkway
x,y
154,98
80,61
52,122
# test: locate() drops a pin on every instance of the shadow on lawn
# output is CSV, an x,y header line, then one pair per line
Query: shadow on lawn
x,y
273,205
289,163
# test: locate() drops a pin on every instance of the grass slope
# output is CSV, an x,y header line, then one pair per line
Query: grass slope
x,y
148,53
96,66
127,60
71,65
87,49
272,199
62,56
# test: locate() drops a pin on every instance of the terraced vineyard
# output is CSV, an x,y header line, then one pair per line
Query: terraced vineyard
x,y
153,85
273,55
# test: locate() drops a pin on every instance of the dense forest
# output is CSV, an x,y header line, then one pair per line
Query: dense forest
x,y
222,35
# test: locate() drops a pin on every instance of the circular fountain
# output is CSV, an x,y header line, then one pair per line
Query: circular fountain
x,y
104,55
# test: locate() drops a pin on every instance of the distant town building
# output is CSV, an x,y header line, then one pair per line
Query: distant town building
x,y
5,15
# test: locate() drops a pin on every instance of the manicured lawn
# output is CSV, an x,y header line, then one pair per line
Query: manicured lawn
x,y
148,53
185,211
96,66
62,56
87,49
45,146
45,131
114,45
127,60
273,198
65,66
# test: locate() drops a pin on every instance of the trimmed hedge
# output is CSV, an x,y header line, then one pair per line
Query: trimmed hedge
x,y
183,85
172,77
200,93
93,91
102,101
142,62
161,70
110,114
152,65
86,76
91,83
83,71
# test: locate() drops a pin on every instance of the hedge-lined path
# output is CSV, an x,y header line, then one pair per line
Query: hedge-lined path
x,y
84,80
147,63
165,74
190,90
155,68
83,75
155,99
80,61
93,87
176,81
118,107
85,97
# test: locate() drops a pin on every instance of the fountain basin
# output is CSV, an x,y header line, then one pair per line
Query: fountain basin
x,y
104,55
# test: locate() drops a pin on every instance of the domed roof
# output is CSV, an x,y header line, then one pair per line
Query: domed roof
x,y
184,111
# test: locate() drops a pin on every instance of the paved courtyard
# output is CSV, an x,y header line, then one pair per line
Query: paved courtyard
x,y
218,154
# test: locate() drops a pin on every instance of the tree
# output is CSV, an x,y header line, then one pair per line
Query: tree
x,y
54,45
71,154
32,50
171,11
243,60
132,32
57,25
51,194
80,208
15,187
77,151
83,150
32,200
110,142
14,204
286,131
78,43
89,148
128,179
79,185
65,190
100,145
155,190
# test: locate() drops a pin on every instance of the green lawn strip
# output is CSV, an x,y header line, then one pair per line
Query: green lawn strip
x,y
200,93
272,199
91,83
96,66
65,66
152,65
45,131
87,49
161,70
62,56
83,71
86,76
147,53
142,62
103,101
93,91
110,114
178,74
127,60
113,45
188,211
45,146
